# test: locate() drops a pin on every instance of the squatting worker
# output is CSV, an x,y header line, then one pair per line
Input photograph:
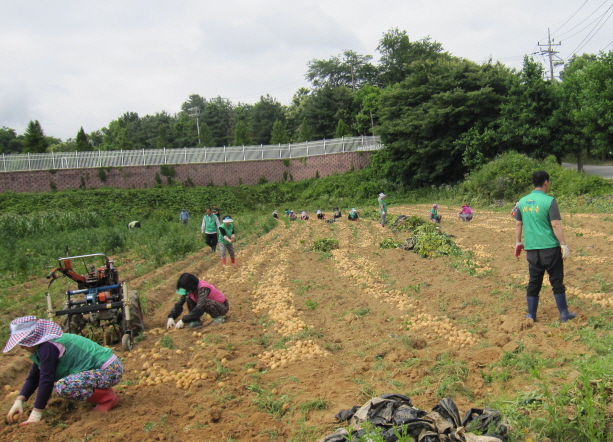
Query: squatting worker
x,y
382,208
78,368
201,298
209,228
227,236
538,216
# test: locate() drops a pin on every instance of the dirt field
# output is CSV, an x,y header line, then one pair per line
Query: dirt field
x,y
370,321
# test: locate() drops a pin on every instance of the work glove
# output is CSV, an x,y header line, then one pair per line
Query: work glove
x,y
565,251
17,408
179,324
170,323
518,248
35,416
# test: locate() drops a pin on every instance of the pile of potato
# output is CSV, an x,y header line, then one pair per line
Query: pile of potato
x,y
153,371
590,233
480,267
300,351
273,298
432,326
10,394
592,259
603,299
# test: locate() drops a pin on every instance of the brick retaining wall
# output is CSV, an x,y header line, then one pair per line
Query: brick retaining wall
x,y
139,177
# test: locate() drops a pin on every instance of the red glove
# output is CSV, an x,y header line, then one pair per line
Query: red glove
x,y
518,248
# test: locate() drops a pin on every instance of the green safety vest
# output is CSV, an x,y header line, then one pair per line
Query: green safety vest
x,y
80,354
538,233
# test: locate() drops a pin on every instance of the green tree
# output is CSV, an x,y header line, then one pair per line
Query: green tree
x,y
367,101
219,115
34,139
527,117
9,143
589,95
398,54
162,138
304,132
82,141
326,106
278,134
262,117
349,69
194,101
423,116
342,130
206,137
185,130
241,134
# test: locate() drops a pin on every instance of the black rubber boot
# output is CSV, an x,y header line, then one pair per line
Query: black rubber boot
x,y
563,308
533,303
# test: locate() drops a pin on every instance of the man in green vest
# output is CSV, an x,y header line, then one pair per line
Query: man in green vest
x,y
538,216
210,229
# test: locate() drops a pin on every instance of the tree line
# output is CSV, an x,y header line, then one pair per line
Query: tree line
x,y
440,116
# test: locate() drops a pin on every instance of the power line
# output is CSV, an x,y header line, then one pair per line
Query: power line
x,y
584,28
594,31
584,20
571,17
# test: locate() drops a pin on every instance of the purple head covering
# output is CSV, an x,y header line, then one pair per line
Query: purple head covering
x,y
29,331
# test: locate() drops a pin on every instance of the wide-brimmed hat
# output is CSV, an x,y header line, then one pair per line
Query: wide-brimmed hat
x,y
319,211
29,331
353,210
382,195
435,206
227,219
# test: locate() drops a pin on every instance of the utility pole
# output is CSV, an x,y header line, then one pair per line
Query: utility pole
x,y
195,112
551,53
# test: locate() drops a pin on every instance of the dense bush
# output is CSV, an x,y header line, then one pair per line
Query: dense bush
x,y
510,176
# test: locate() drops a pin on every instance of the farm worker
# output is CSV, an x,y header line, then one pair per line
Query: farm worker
x,y
79,368
275,215
320,215
216,211
382,208
538,216
209,228
434,216
287,211
353,215
227,236
337,213
304,216
292,215
201,298
134,225
466,214
184,216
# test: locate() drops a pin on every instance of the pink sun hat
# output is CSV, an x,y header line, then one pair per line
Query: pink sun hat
x,y
29,331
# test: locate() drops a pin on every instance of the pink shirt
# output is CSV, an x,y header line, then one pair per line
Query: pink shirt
x,y
214,294
466,211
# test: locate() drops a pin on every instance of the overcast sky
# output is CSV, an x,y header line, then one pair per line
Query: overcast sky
x,y
73,63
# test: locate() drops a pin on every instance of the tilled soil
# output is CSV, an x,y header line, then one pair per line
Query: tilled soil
x,y
311,333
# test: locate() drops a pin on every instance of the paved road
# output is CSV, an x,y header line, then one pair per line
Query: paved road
x,y
603,171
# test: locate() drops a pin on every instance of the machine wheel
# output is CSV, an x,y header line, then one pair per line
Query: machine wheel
x,y
73,323
126,342
137,324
